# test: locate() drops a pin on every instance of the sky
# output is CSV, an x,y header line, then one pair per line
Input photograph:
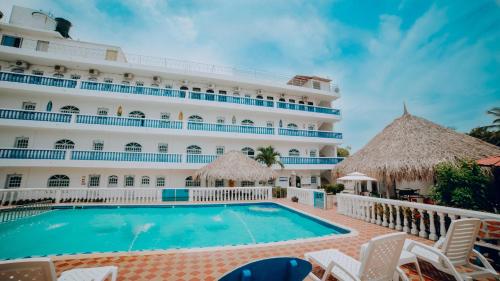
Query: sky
x,y
441,58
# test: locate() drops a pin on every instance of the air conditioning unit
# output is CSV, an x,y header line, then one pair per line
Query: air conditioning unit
x,y
93,72
128,76
20,64
156,79
59,68
237,89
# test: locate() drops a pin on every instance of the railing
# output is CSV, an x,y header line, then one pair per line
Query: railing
x,y
230,99
125,156
34,115
309,108
25,210
310,197
230,128
424,220
22,153
309,133
127,121
141,195
37,80
200,158
311,160
138,90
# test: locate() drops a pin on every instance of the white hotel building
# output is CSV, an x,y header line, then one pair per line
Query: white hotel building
x,y
81,114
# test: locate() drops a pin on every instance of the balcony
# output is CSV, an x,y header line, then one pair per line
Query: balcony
x,y
230,128
309,133
200,158
37,80
35,115
137,90
308,108
230,99
311,160
18,153
127,121
126,156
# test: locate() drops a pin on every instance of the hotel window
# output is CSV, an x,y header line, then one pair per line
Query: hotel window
x,y
248,96
190,182
37,72
111,55
236,94
184,88
133,147
58,181
165,115
102,111
129,181
11,41
112,181
145,181
292,126
163,148
108,80
247,183
282,100
293,153
13,181
139,84
269,124
58,75
193,149
125,82
270,98
311,127
70,109
21,142
291,101
310,103
219,150
137,114
219,183
64,144
248,152
76,76
301,102
210,91
168,86
314,180
313,153
92,79
160,181
196,89
29,105
221,120
260,97
316,85
17,70
94,180
195,118
98,145
247,122
221,92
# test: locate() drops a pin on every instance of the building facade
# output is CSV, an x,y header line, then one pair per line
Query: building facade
x,y
78,114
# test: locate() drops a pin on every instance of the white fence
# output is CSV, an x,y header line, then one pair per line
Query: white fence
x,y
133,195
311,197
424,220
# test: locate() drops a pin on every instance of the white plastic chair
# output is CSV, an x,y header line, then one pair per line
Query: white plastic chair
x,y
42,269
378,263
455,250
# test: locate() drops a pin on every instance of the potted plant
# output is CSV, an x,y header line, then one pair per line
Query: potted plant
x,y
295,199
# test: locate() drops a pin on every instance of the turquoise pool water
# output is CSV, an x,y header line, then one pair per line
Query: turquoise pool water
x,y
108,229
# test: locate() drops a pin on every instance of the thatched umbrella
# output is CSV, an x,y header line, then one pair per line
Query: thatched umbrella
x,y
409,148
237,166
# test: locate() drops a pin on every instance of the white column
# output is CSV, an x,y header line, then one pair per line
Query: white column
x,y
398,219
442,228
414,229
406,227
422,232
432,227
391,217
384,217
379,218
374,217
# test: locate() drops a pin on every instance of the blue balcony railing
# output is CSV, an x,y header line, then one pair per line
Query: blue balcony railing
x,y
311,160
35,115
200,158
309,133
139,90
230,99
229,128
126,121
12,153
37,80
309,108
126,156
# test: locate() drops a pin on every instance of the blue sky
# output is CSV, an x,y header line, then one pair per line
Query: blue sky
x,y
442,58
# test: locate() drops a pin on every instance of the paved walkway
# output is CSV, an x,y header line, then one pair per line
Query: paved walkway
x,y
211,264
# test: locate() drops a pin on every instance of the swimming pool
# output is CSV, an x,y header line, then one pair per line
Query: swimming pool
x,y
135,228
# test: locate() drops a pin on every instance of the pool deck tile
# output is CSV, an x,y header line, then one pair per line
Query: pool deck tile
x,y
213,263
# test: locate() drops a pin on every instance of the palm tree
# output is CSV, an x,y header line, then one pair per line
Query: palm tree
x,y
268,156
495,111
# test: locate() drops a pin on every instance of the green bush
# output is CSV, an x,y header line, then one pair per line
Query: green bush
x,y
333,188
462,185
279,192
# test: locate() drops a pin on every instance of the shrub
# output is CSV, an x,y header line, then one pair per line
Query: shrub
x,y
333,188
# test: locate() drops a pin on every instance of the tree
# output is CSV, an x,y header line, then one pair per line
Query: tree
x,y
486,135
268,156
495,112
343,152
462,185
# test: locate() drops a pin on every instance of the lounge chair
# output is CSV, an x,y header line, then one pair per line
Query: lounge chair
x,y
378,262
276,269
455,250
42,269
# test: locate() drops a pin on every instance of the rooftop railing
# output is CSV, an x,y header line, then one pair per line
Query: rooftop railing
x,y
126,156
23,153
230,99
128,121
309,133
310,160
37,80
138,90
227,128
309,108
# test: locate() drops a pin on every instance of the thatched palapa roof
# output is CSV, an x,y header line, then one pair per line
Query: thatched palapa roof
x,y
237,166
409,148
